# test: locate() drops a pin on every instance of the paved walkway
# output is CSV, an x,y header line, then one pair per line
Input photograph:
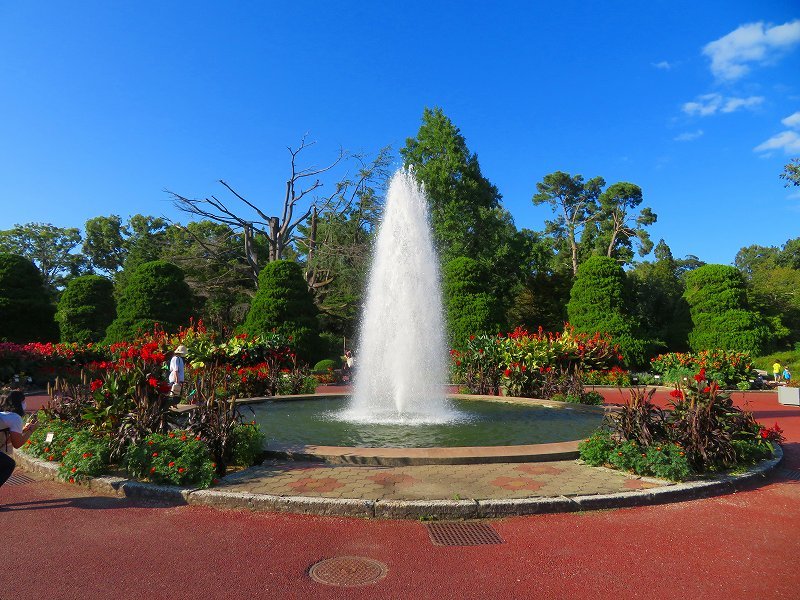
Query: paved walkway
x,y
433,482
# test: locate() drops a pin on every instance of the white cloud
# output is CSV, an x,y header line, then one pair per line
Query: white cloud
x,y
788,141
689,136
732,54
662,65
792,121
734,104
709,104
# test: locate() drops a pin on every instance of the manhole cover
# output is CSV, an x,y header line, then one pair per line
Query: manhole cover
x,y
347,571
19,479
462,534
790,474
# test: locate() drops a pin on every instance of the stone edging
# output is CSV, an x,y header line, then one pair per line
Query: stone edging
x,y
410,509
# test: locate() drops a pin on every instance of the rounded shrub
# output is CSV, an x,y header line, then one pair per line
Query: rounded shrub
x,y
155,293
26,314
284,304
325,365
599,303
720,316
86,309
470,309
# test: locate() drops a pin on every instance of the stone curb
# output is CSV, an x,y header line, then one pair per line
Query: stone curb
x,y
412,509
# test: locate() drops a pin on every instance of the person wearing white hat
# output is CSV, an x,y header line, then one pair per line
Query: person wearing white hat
x,y
176,366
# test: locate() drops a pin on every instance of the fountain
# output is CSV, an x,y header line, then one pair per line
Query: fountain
x,y
402,355
399,412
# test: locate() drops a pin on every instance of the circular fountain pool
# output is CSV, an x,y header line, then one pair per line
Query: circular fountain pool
x,y
315,427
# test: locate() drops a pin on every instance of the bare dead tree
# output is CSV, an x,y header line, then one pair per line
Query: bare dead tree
x,y
277,230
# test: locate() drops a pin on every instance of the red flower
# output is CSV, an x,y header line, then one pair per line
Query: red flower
x,y
153,382
706,389
701,376
96,384
180,470
152,469
155,454
507,372
86,454
171,464
676,394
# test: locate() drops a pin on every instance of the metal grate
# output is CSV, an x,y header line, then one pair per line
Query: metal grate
x,y
347,571
792,474
19,479
462,534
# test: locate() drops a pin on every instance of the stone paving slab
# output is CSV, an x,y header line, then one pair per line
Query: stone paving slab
x,y
497,481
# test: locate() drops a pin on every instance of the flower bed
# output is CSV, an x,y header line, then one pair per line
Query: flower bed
x,y
541,364
729,368
703,432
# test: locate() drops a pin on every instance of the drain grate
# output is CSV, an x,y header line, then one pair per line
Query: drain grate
x,y
347,571
792,474
462,534
19,479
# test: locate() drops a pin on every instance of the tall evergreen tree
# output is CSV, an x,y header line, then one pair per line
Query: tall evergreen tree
x,y
284,304
86,309
26,314
469,308
156,292
720,313
466,213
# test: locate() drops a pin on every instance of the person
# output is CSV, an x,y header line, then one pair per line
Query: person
x,y
776,371
176,370
786,374
12,432
347,365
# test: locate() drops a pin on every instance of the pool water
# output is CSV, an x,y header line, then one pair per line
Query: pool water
x,y
292,424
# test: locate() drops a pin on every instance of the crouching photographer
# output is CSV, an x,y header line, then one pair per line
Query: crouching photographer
x,y
12,432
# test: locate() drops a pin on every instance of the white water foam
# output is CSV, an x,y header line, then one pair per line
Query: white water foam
x,y
401,363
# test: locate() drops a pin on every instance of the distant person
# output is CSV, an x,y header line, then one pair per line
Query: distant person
x,y
13,434
347,365
776,371
786,374
177,366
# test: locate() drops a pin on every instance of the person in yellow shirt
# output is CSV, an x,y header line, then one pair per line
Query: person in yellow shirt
x,y
776,371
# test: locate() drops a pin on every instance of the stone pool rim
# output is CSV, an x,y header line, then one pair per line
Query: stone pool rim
x,y
458,455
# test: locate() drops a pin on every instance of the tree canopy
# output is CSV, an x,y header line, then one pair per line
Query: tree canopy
x,y
26,314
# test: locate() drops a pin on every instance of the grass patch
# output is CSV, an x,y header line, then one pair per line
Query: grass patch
x,y
785,357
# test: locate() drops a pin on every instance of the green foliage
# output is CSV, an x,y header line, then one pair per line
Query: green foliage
x,y
470,309
791,172
297,382
86,309
527,364
156,293
466,214
49,248
596,449
325,365
790,358
284,304
720,316
591,398
248,445
176,458
658,300
727,368
87,455
63,434
25,311
600,302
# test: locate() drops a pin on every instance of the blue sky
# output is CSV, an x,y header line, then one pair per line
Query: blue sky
x,y
106,104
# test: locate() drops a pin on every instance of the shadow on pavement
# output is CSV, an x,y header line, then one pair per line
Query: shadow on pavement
x,y
87,503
